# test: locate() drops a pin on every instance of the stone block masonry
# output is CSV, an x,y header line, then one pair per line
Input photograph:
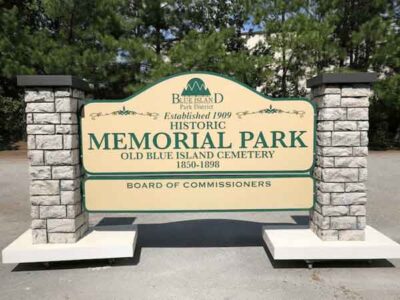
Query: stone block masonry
x,y
342,148
55,172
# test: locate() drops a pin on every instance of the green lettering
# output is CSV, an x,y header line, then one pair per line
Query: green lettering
x,y
136,144
208,141
221,145
180,138
118,140
156,140
261,140
104,139
245,136
276,139
294,139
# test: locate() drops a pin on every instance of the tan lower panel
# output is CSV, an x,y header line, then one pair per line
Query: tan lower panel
x,y
190,194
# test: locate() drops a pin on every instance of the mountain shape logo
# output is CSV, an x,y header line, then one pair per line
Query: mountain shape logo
x,y
195,87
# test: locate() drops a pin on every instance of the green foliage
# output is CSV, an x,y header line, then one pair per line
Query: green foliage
x,y
119,46
11,131
297,41
359,28
94,40
210,51
385,114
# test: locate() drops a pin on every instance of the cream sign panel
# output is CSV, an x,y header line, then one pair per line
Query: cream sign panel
x,y
198,194
197,123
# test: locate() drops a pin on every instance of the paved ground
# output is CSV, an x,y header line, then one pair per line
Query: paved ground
x,y
201,256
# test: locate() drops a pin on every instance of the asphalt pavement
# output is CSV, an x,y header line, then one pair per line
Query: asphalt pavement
x,y
201,255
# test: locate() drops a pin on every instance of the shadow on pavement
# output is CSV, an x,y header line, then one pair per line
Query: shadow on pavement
x,y
301,220
116,221
201,233
197,233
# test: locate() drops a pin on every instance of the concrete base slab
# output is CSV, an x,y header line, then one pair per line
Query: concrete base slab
x,y
303,244
102,242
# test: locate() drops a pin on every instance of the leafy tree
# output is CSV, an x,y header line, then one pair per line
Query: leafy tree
x,y
385,106
385,114
11,131
359,28
18,22
93,39
210,52
298,37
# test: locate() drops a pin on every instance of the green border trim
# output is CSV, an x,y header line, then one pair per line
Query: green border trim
x,y
195,177
90,101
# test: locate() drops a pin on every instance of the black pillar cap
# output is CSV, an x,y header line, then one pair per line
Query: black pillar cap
x,y
52,81
342,78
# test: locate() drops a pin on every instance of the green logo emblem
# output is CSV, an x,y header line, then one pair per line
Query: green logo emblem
x,y
195,87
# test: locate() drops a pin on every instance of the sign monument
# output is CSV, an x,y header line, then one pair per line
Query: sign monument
x,y
198,142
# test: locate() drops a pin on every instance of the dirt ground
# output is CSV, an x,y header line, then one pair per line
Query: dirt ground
x,y
203,255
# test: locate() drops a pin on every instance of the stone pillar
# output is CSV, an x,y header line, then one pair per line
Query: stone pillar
x,y
341,160
52,106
